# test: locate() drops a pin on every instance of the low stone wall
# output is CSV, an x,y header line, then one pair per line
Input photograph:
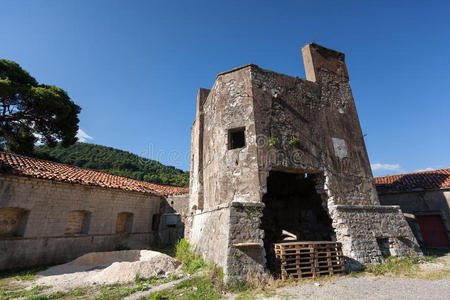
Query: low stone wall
x,y
363,229
208,233
41,251
229,236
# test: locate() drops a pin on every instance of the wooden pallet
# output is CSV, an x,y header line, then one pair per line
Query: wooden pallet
x,y
309,259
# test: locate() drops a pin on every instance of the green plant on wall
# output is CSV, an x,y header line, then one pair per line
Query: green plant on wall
x,y
273,141
294,141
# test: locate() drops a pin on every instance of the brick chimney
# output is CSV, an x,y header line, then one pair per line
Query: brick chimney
x,y
318,59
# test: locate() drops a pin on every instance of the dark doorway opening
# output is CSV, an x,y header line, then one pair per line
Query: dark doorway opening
x,y
293,212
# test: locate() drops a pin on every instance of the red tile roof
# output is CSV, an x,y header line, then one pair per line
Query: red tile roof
x,y
427,180
44,169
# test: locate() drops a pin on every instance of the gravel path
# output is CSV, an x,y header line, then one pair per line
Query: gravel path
x,y
368,288
154,289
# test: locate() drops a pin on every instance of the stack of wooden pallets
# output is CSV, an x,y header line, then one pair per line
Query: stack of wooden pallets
x,y
310,259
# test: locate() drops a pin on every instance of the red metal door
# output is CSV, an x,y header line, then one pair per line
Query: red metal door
x,y
433,231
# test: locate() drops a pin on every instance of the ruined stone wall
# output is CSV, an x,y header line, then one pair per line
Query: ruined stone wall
x,y
246,247
196,174
291,125
361,228
49,204
315,129
229,175
177,205
229,235
208,232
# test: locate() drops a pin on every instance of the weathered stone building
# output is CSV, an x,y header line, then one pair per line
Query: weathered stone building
x,y
172,218
51,213
275,156
424,198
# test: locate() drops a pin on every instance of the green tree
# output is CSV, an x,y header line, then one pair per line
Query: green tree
x,y
114,161
30,111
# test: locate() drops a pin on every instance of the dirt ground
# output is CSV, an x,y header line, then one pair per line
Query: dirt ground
x,y
367,288
429,280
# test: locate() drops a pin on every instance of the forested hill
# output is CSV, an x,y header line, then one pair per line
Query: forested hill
x,y
114,161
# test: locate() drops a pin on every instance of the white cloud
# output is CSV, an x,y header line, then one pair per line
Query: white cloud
x,y
426,169
388,167
83,136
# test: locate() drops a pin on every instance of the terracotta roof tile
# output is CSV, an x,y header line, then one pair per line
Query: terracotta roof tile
x,y
44,169
427,180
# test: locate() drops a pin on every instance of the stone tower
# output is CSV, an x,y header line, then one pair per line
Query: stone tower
x,y
276,157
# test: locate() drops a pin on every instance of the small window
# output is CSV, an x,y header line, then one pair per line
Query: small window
x,y
236,138
78,222
13,221
124,222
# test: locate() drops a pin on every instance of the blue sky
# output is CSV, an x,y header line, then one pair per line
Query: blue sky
x,y
135,66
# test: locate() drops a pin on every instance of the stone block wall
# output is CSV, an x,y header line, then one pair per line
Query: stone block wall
x,y
196,165
246,247
174,206
290,125
41,251
229,235
322,120
52,207
362,231
229,174
208,232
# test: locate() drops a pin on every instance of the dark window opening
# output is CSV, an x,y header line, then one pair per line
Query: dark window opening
x,y
155,222
385,248
293,212
236,138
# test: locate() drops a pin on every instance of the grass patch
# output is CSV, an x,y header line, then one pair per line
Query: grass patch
x,y
428,259
192,263
22,274
435,275
56,295
246,295
22,293
209,286
156,279
79,292
117,291
199,287
395,265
